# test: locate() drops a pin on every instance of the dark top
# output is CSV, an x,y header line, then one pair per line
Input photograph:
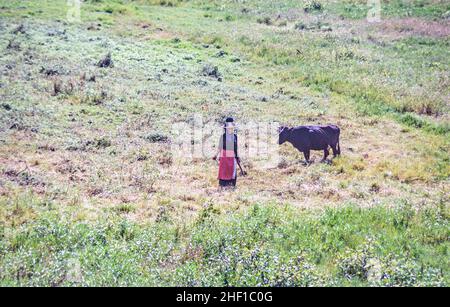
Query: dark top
x,y
228,141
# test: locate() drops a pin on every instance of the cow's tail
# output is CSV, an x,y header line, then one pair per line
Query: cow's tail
x,y
338,147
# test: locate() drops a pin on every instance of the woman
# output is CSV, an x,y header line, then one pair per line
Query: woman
x,y
229,158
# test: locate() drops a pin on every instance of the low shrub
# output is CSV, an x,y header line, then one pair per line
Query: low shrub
x,y
264,246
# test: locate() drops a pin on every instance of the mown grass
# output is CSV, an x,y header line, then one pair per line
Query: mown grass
x,y
382,77
322,77
268,245
390,77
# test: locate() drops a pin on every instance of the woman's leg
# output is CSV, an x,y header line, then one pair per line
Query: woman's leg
x,y
233,182
226,184
222,183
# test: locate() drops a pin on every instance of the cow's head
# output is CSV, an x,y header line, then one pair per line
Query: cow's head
x,y
282,134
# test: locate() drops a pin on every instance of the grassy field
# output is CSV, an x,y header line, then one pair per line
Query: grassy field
x,y
89,191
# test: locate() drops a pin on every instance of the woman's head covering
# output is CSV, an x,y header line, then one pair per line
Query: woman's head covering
x,y
229,122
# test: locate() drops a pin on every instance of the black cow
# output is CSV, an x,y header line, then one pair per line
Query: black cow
x,y
307,138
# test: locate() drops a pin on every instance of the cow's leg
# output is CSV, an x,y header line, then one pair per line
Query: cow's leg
x,y
334,149
306,154
325,154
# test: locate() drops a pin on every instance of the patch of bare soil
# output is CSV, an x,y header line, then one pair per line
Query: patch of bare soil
x,y
414,27
24,178
159,33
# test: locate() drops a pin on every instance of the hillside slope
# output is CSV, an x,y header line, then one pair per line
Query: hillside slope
x,y
89,144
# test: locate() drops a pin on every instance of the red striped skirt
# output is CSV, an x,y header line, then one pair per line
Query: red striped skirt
x,y
227,165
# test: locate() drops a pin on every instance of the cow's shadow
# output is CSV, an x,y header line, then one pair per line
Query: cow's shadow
x,y
313,161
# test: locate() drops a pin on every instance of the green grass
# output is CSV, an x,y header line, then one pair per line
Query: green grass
x,y
416,122
268,245
88,195
355,9
383,76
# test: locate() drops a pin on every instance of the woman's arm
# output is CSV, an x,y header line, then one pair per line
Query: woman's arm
x,y
236,154
216,154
